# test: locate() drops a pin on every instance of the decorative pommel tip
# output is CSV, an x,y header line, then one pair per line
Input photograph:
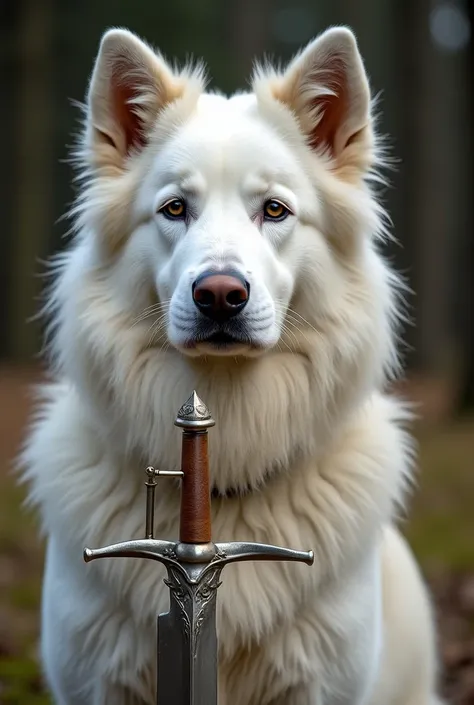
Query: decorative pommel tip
x,y
194,415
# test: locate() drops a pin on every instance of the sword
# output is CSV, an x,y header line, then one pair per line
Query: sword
x,y
187,664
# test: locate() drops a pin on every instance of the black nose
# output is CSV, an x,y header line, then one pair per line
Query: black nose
x,y
220,296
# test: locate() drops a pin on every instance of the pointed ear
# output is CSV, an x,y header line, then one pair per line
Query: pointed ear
x,y
326,87
130,85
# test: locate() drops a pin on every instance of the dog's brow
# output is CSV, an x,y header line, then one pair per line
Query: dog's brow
x,y
191,183
257,184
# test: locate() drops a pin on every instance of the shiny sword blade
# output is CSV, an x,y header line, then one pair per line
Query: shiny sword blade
x,y
187,641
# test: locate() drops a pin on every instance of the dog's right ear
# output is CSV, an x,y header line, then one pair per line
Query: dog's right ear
x,y
130,85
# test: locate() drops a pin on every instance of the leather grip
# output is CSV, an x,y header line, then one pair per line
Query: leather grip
x,y
195,523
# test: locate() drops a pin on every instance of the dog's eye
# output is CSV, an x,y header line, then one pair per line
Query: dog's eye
x,y
274,210
174,209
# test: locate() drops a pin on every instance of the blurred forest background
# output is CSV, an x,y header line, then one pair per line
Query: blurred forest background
x,y
419,55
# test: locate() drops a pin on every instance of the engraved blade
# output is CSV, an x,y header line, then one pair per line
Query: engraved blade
x,y
187,641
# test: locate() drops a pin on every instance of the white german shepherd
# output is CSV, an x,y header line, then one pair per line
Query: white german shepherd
x,y
230,245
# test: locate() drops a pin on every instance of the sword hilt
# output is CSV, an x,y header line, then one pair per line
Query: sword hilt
x,y
195,521
195,547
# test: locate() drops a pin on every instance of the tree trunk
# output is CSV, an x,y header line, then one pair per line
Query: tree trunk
x,y
9,20
32,207
467,261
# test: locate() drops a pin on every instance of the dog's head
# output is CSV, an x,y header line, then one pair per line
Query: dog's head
x,y
236,225
229,245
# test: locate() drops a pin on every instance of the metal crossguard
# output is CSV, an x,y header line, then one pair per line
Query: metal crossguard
x,y
187,638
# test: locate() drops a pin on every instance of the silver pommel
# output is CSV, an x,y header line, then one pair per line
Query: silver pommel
x,y
194,415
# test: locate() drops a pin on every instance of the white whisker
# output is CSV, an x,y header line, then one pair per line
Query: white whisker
x,y
150,311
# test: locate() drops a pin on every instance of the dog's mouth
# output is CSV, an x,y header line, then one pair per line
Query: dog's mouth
x,y
222,339
233,338
221,342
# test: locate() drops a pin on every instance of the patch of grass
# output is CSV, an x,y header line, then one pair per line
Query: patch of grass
x,y
21,556
21,683
441,522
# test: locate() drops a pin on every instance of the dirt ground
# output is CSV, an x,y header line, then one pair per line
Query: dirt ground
x,y
441,530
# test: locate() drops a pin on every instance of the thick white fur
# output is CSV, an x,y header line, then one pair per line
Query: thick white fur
x,y
301,418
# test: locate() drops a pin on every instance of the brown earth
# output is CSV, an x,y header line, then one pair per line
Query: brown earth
x,y
441,531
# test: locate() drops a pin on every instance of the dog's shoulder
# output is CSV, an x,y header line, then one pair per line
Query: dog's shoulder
x,y
372,461
60,451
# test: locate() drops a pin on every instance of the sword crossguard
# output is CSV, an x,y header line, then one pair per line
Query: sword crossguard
x,y
194,560
247,551
155,549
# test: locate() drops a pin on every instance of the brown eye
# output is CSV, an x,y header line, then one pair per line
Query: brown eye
x,y
274,210
174,209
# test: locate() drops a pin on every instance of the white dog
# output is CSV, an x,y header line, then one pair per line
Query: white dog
x,y
230,245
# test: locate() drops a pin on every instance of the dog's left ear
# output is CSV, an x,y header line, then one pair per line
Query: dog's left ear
x,y
326,88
